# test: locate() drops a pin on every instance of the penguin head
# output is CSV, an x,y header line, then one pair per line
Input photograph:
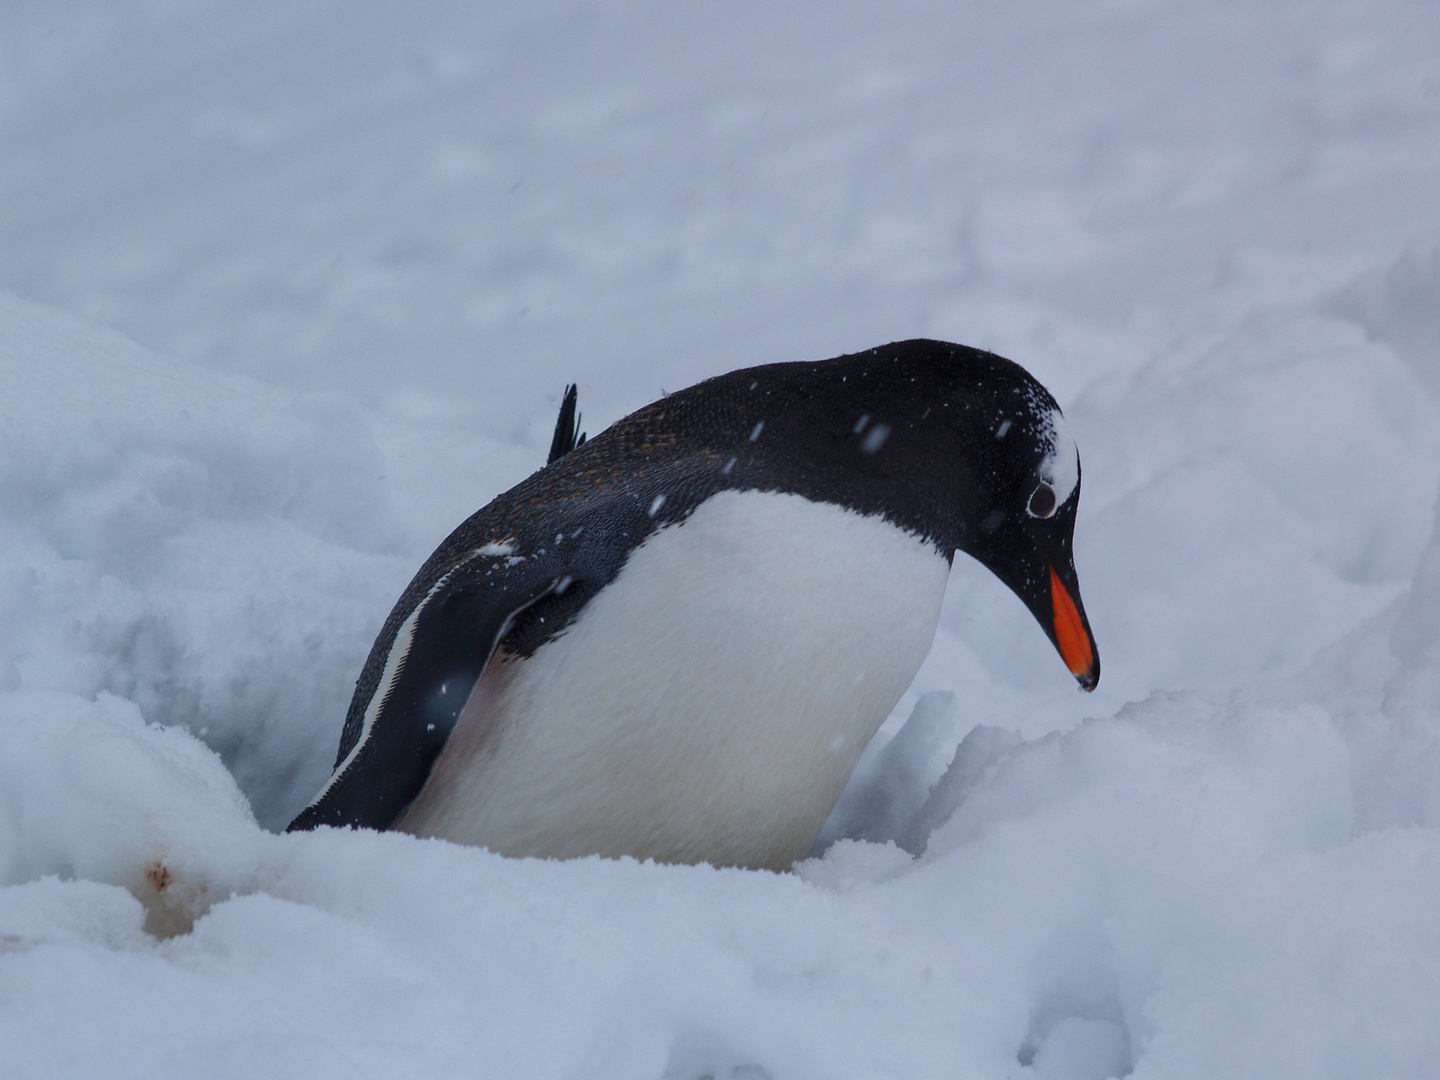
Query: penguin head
x,y
1021,518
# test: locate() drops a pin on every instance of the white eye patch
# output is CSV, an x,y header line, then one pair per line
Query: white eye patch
x,y
1060,468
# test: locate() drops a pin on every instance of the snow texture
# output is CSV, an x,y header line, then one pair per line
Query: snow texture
x,y
288,290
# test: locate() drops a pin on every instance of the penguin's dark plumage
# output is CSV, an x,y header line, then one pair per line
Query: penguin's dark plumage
x,y
567,435
675,639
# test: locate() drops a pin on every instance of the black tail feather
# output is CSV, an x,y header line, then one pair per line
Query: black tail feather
x,y
567,427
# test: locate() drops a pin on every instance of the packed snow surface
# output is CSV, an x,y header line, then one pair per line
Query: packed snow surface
x,y
289,289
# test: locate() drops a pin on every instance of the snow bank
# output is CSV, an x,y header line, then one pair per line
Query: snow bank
x,y
209,548
1209,227
93,793
1110,897
1091,902
1105,898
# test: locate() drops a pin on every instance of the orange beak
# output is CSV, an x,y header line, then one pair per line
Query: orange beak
x,y
1071,635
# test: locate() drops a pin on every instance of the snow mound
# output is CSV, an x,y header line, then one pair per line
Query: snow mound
x,y
1209,228
1090,902
212,549
94,793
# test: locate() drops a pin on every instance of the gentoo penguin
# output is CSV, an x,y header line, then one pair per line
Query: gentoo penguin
x,y
674,641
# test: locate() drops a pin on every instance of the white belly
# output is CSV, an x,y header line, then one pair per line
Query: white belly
x,y
708,705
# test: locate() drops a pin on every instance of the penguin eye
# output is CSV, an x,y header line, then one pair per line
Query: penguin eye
x,y
1042,501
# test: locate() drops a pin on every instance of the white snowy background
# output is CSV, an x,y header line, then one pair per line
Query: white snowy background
x,y
290,287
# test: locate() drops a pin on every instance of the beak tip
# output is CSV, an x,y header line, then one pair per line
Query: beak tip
x,y
1072,636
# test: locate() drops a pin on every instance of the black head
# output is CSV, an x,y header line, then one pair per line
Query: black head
x,y
1020,520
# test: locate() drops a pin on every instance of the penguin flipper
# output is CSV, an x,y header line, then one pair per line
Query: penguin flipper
x,y
432,663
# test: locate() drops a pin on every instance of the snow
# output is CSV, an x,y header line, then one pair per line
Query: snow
x,y
287,291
